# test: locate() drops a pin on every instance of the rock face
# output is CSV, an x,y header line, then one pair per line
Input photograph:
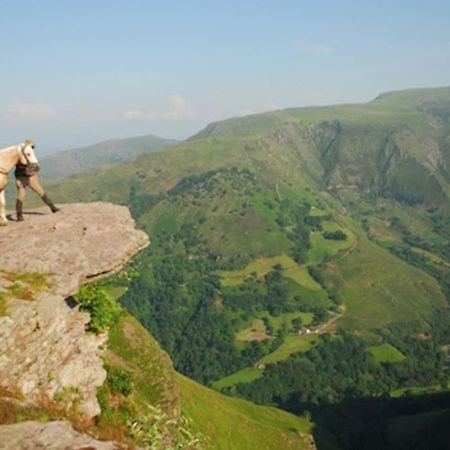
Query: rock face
x,y
45,353
58,435
80,242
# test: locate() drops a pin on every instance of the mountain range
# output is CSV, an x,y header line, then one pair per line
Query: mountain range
x,y
301,258
67,163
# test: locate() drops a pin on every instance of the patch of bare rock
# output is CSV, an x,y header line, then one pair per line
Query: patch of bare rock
x,y
82,241
57,435
45,351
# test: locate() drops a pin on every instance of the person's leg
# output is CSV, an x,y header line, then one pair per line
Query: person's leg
x,y
35,184
21,184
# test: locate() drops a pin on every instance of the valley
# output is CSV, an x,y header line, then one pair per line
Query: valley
x,y
300,258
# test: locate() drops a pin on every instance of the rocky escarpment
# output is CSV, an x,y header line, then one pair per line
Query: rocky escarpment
x,y
57,435
79,243
45,352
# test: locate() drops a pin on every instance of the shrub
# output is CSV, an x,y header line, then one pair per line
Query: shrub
x,y
119,380
103,308
337,235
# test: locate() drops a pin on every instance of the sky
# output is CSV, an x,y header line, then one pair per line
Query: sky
x,y
76,72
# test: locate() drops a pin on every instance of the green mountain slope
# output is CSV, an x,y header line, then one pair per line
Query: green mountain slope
x,y
383,148
76,161
234,423
276,235
217,421
236,181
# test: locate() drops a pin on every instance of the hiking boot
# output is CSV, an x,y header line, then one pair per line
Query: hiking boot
x,y
19,212
50,204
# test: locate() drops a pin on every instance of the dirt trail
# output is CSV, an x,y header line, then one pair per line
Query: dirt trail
x,y
324,328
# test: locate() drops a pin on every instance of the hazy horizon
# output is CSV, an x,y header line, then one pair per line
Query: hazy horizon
x,y
83,72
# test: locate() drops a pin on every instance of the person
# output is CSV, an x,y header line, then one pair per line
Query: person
x,y
26,176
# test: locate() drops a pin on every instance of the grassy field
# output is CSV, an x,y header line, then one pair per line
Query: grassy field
x,y
419,390
310,297
231,423
285,319
292,344
260,267
301,283
386,353
246,375
322,249
378,288
302,277
381,230
257,331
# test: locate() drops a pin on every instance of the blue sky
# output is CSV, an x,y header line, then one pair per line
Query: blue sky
x,y
75,72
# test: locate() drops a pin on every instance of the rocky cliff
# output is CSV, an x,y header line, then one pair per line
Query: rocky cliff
x,y
54,391
45,351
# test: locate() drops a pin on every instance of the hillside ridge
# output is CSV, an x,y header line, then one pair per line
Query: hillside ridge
x,y
75,161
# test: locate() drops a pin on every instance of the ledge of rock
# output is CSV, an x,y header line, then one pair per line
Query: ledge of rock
x,y
44,348
58,435
82,241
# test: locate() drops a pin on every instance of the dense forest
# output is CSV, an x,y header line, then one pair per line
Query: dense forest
x,y
340,367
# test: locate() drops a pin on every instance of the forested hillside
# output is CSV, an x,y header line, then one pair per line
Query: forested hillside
x,y
300,258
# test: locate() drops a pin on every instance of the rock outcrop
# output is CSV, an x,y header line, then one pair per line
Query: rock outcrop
x,y
82,241
58,435
45,352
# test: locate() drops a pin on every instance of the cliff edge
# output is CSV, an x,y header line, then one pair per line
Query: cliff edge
x,y
54,391
45,351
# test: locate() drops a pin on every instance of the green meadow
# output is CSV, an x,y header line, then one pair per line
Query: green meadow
x,y
231,423
386,353
257,330
323,249
246,375
292,344
259,267
378,288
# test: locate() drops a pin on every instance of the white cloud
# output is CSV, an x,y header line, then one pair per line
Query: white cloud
x,y
181,109
313,48
31,110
